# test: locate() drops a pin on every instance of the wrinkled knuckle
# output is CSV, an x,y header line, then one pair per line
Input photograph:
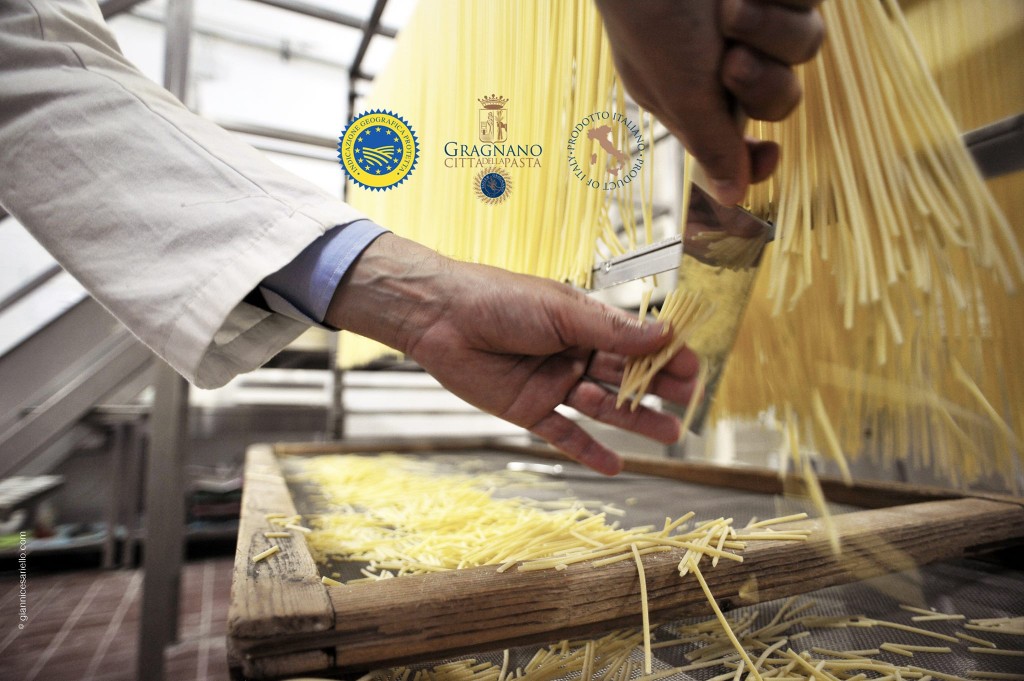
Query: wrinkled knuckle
x,y
556,433
716,158
778,103
815,39
741,68
789,101
617,322
741,20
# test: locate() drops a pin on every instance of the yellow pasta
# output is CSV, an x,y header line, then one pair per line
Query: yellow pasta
x,y
412,520
551,222
644,608
682,312
913,264
975,639
886,303
266,554
997,651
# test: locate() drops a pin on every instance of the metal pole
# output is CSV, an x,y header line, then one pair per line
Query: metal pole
x,y
165,522
165,496
372,26
178,38
111,8
334,16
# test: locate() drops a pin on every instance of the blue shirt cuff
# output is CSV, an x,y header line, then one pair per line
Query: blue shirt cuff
x,y
303,288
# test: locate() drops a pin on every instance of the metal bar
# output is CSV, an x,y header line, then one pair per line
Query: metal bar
x,y
294,152
120,358
133,490
111,8
351,113
177,45
281,134
998,148
52,357
331,15
295,52
336,409
165,522
659,257
371,26
165,498
29,286
117,445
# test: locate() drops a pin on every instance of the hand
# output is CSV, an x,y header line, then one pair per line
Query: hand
x,y
512,345
702,66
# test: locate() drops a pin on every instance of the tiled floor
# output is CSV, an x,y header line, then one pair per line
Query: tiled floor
x,y
84,626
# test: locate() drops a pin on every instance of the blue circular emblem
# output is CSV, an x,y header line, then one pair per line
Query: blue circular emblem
x,y
378,149
492,185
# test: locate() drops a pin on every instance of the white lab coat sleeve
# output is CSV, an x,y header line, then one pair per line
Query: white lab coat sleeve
x,y
165,218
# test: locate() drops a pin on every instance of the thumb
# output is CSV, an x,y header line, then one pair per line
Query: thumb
x,y
594,325
717,143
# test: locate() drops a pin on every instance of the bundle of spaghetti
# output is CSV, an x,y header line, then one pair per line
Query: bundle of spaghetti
x,y
403,517
890,292
974,68
682,313
550,222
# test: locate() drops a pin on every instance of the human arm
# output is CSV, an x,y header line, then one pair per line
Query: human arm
x,y
170,223
512,345
701,66
168,220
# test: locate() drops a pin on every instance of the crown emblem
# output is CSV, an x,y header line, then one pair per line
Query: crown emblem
x,y
493,102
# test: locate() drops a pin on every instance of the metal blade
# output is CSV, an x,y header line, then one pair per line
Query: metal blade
x,y
717,257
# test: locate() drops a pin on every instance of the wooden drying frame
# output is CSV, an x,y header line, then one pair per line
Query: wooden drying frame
x,y
283,621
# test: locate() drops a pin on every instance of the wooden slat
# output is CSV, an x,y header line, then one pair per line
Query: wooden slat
x,y
432,615
282,594
286,665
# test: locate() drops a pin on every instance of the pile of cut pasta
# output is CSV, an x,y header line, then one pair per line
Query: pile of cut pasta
x,y
402,516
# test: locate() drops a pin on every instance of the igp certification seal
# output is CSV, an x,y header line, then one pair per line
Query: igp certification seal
x,y
378,150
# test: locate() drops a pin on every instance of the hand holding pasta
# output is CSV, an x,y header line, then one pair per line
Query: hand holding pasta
x,y
701,66
512,345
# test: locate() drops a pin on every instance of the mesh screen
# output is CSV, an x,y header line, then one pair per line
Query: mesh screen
x,y
974,589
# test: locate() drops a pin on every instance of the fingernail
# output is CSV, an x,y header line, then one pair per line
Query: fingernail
x,y
727,192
